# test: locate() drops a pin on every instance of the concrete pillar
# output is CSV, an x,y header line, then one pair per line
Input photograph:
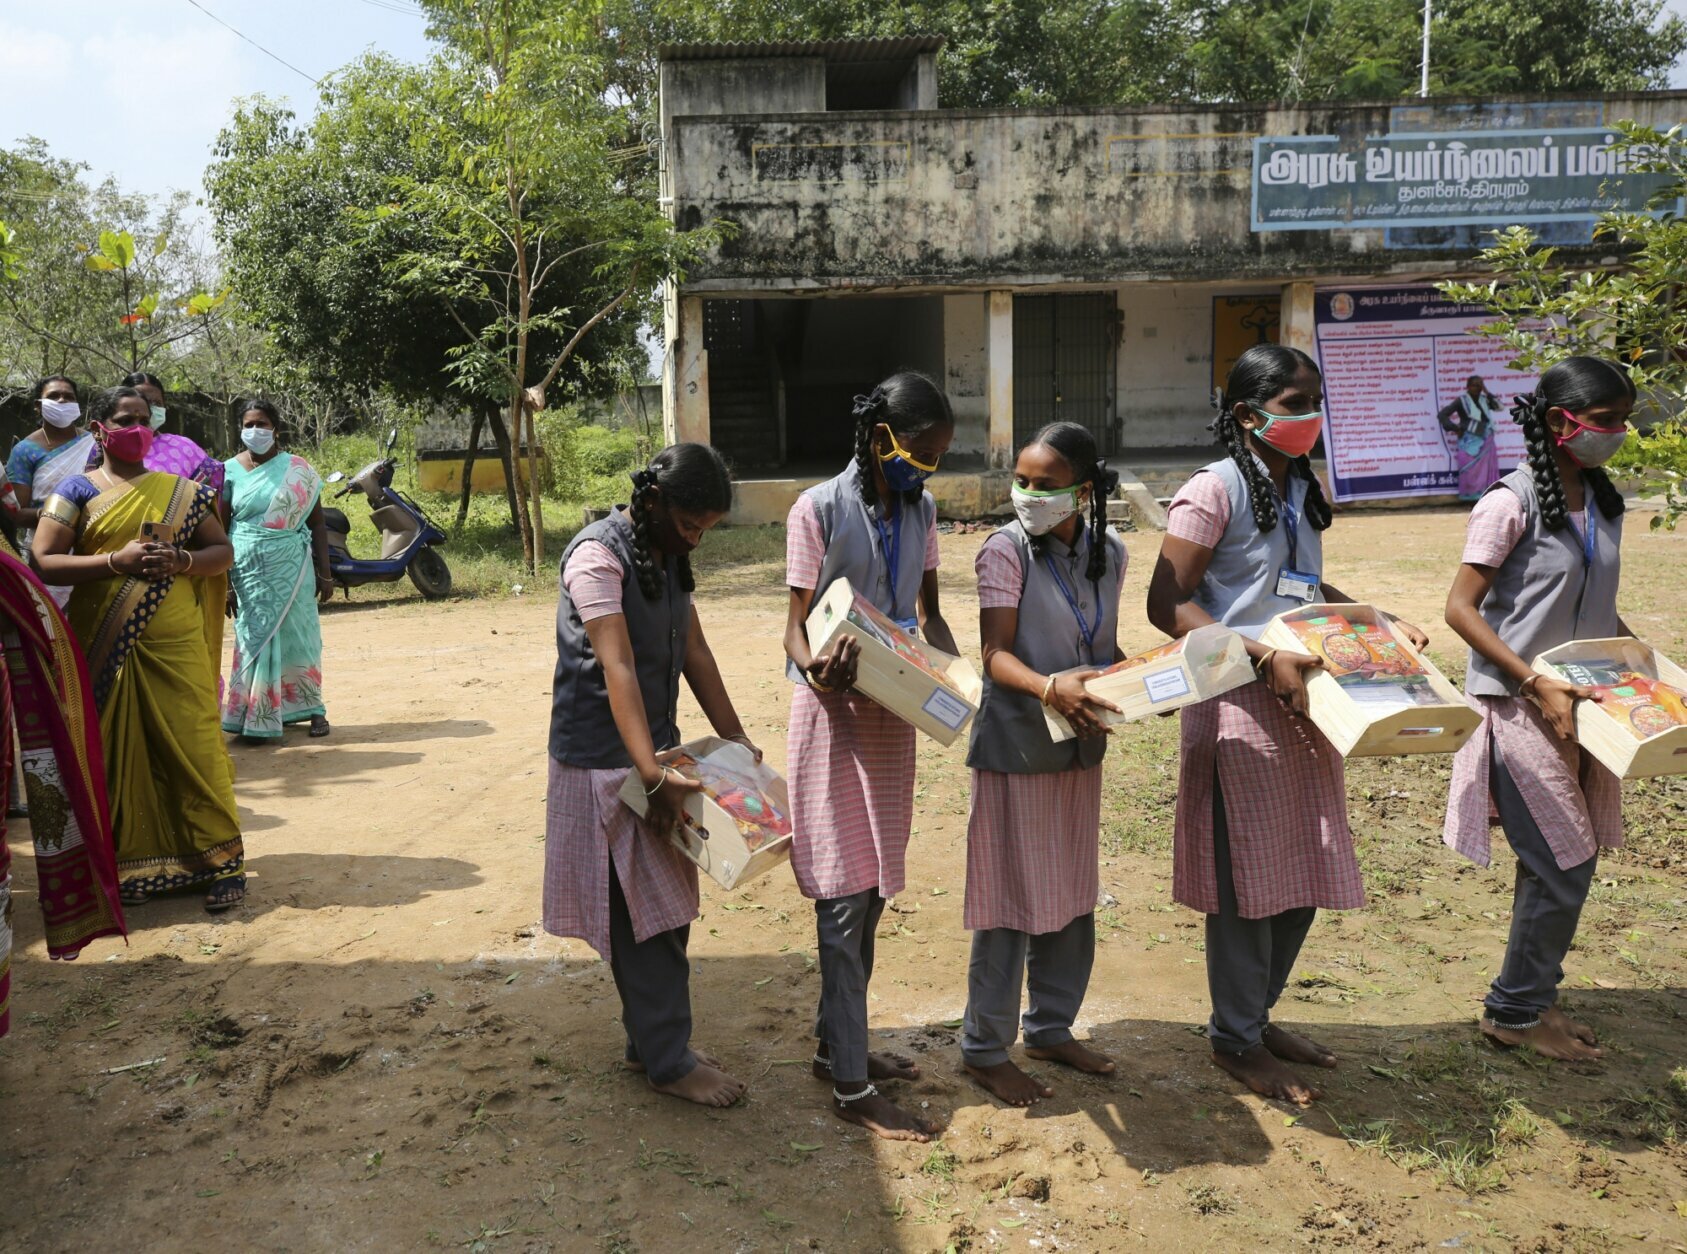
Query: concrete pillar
x,y
1296,328
685,376
999,351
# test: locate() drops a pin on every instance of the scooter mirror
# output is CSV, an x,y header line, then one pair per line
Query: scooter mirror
x,y
335,477
392,437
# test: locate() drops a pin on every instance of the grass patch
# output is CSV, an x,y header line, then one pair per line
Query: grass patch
x,y
1139,787
1207,1199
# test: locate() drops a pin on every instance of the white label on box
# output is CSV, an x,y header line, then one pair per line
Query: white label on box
x,y
947,708
1166,686
1420,731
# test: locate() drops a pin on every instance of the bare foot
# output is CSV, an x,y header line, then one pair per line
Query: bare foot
x,y
1580,1031
706,1085
879,1067
1008,1083
634,1065
1266,1075
1074,1054
1550,1038
1292,1047
883,1117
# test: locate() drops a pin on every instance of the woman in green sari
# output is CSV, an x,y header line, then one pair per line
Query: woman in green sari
x,y
137,547
274,506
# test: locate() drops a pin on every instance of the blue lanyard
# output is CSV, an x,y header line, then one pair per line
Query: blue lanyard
x,y
1086,630
1291,519
890,540
1586,537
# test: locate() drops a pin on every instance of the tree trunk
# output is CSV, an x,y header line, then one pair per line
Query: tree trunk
x,y
522,486
468,468
533,483
506,455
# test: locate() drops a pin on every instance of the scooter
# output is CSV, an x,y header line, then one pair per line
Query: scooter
x,y
408,535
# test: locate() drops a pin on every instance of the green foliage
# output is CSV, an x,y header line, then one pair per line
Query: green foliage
x,y
1545,311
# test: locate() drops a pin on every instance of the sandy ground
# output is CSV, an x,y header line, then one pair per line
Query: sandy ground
x,y
382,1050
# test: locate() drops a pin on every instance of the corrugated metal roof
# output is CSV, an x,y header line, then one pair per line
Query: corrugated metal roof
x,y
836,51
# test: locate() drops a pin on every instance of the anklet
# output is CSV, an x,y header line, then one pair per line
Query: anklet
x,y
1511,1027
843,1100
823,1060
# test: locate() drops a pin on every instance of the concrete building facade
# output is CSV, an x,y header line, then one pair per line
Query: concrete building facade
x,y
1098,265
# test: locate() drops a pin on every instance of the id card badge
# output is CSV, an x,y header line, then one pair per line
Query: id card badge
x,y
910,625
1297,585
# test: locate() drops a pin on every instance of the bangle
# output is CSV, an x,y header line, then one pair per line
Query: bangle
x,y
820,687
1259,666
1047,689
189,565
111,562
660,779
1523,688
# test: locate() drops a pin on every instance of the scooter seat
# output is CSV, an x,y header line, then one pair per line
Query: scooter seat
x,y
336,520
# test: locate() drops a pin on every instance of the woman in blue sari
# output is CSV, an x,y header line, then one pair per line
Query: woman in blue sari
x,y
273,502
47,456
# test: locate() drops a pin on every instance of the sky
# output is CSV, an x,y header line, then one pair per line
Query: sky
x,y
139,88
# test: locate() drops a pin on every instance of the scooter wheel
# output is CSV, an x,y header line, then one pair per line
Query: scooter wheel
x,y
430,574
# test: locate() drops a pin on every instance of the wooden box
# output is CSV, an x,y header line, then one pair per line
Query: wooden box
x,y
729,852
1374,701
1611,733
935,691
1202,664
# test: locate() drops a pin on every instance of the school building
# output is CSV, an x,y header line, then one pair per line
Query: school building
x,y
1102,265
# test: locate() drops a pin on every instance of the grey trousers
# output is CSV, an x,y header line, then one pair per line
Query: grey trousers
x,y
1546,905
653,978
846,927
1055,965
1248,960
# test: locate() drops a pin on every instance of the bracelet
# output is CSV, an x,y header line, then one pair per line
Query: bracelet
x,y
820,687
189,565
1523,688
660,780
1259,666
1047,689
111,561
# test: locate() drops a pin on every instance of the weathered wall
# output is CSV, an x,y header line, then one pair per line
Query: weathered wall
x,y
782,85
952,198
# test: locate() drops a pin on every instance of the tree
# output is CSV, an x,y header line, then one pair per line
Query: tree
x,y
545,225
1545,311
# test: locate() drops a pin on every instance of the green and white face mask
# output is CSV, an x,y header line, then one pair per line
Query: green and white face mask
x,y
1041,512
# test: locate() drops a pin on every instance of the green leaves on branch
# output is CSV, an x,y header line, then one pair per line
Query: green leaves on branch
x,y
1545,311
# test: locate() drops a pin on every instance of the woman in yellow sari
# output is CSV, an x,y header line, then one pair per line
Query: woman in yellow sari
x,y
138,547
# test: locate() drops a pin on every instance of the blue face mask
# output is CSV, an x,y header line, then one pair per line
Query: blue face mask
x,y
259,439
902,473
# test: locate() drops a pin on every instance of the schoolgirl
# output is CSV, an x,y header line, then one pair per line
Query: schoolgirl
x,y
1048,598
1261,839
1541,565
626,632
851,761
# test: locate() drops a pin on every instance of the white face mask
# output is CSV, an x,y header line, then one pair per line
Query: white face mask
x,y
1041,512
259,439
60,414
158,416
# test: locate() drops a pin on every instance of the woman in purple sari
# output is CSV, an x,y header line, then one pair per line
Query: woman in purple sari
x,y
1471,418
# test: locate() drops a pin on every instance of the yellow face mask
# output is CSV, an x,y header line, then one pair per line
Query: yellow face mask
x,y
900,466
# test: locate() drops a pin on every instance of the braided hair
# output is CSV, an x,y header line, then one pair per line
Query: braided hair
x,y
909,403
686,476
1257,377
1576,383
1077,448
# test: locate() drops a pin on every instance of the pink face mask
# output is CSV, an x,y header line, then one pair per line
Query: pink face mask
x,y
1290,434
129,444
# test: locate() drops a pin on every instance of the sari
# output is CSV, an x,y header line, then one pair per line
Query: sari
x,y
277,674
168,776
45,697
36,471
1476,454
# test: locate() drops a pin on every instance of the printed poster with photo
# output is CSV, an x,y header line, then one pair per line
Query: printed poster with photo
x,y
1392,357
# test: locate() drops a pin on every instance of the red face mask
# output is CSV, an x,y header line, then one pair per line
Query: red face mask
x,y
130,444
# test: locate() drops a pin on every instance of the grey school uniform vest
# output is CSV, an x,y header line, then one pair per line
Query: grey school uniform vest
x,y
1543,596
1239,588
855,552
583,731
1008,733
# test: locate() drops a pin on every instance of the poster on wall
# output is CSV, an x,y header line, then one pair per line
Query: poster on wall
x,y
1392,357
1240,322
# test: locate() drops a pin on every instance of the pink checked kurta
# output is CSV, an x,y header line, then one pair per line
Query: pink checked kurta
x,y
587,824
1575,801
850,760
1285,803
1032,858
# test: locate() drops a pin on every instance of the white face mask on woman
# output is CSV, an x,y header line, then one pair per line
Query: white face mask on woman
x,y
1041,512
259,439
60,414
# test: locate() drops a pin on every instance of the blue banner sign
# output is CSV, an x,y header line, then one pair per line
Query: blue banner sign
x,y
1442,178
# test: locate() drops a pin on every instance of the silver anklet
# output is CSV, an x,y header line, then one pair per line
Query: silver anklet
x,y
823,1060
842,1100
1511,1027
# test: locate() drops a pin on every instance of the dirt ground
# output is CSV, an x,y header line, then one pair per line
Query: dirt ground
x,y
382,1049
